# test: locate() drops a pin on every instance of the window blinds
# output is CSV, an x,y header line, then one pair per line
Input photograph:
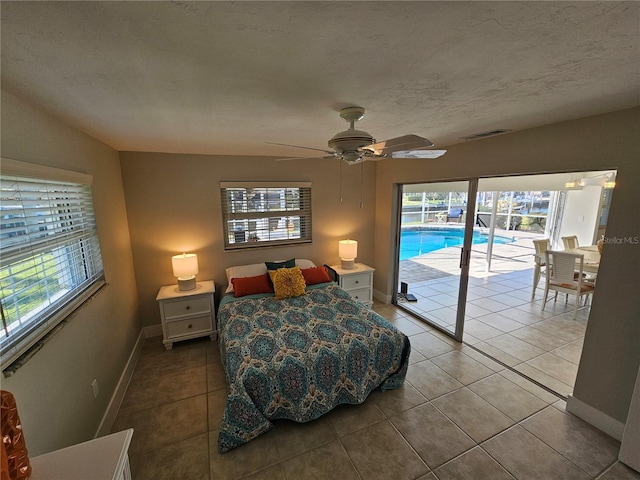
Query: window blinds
x,y
265,213
50,259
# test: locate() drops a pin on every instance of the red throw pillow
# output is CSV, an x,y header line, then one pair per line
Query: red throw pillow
x,y
249,285
315,275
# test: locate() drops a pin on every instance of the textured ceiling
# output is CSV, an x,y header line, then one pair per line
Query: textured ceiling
x,y
226,77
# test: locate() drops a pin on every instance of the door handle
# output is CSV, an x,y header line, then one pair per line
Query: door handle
x,y
465,255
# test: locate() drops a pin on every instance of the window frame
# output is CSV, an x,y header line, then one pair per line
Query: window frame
x,y
57,221
269,204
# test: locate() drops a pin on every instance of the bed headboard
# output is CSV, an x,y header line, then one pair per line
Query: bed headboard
x,y
332,273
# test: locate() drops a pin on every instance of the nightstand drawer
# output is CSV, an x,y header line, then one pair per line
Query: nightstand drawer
x,y
361,280
188,306
360,294
188,326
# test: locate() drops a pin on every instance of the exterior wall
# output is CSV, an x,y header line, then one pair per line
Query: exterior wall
x,y
173,203
611,353
53,389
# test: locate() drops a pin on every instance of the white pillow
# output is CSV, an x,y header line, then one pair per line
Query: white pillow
x,y
304,263
244,271
257,269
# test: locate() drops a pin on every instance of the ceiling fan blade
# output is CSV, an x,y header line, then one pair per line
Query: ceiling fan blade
x,y
405,142
418,153
303,158
292,158
306,148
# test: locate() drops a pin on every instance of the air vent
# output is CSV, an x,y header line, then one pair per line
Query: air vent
x,y
485,134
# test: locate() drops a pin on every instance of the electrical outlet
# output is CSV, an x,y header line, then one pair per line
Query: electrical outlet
x,y
94,386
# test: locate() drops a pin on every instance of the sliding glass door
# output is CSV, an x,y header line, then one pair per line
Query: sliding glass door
x,y
434,245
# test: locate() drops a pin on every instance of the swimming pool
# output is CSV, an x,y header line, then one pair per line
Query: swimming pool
x,y
419,242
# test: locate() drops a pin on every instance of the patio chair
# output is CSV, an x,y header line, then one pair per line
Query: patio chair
x,y
541,246
565,275
570,242
455,214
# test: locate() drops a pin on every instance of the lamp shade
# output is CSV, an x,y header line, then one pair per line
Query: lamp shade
x,y
185,266
348,251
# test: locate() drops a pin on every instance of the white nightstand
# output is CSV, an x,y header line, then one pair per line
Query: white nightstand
x,y
357,281
187,314
104,458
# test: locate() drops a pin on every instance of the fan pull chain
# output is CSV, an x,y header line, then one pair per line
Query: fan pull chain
x,y
361,183
340,176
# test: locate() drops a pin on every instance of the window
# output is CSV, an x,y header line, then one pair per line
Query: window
x,y
257,214
50,260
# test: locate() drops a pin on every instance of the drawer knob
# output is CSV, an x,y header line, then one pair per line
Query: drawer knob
x,y
357,281
190,326
188,307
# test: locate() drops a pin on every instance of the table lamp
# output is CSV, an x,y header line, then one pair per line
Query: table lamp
x,y
348,251
185,268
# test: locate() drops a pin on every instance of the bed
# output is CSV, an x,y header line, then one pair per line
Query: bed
x,y
299,356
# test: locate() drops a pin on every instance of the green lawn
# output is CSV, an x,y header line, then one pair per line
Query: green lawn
x,y
27,285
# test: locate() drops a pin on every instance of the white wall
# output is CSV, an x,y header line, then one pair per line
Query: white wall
x,y
581,214
53,389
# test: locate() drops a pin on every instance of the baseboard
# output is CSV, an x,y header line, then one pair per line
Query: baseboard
x,y
121,388
153,331
381,297
595,417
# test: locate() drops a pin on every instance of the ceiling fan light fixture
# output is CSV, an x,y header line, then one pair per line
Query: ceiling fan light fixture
x,y
352,157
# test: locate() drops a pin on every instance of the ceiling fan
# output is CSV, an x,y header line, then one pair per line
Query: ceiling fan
x,y
356,146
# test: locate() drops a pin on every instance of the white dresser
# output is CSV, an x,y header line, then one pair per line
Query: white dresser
x,y
104,458
187,314
357,281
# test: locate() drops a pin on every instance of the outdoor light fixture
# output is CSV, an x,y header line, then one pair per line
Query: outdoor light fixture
x,y
574,184
606,180
610,181
348,251
185,268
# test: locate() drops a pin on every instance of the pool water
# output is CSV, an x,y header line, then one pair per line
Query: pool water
x,y
419,242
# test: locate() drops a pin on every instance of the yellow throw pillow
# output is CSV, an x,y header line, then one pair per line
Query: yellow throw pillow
x,y
288,282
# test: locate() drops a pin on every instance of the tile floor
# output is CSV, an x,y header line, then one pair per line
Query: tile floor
x,y
458,415
501,320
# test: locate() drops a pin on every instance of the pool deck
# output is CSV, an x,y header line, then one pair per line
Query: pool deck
x,y
501,319
517,255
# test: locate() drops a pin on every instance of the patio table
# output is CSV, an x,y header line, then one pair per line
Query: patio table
x,y
591,257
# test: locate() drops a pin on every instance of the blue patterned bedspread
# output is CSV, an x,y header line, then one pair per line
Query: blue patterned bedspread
x,y
298,358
